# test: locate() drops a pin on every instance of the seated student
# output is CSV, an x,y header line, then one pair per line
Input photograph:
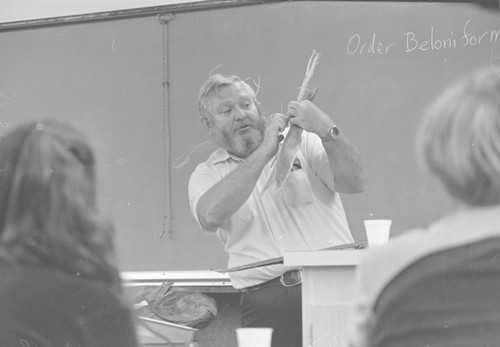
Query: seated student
x,y
59,285
440,286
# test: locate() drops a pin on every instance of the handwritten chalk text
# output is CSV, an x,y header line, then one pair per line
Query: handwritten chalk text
x,y
473,40
432,40
356,45
412,43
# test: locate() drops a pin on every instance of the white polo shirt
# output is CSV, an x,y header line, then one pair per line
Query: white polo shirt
x,y
305,214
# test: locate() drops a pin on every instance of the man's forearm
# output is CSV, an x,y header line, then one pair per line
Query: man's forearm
x,y
346,165
222,200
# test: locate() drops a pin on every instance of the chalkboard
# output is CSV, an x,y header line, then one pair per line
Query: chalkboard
x,y
131,84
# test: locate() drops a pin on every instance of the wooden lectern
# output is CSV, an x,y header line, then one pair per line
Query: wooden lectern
x,y
327,294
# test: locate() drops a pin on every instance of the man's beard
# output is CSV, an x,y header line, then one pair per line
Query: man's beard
x,y
243,146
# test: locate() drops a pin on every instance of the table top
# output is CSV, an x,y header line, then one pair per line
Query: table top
x,y
343,257
207,280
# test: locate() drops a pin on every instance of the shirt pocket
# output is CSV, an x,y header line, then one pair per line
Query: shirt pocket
x,y
297,189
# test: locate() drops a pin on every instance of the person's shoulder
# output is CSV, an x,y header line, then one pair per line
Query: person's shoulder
x,y
379,264
217,156
400,247
51,282
18,275
85,297
26,287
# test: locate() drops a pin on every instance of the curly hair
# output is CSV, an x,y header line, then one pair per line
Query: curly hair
x,y
211,87
48,209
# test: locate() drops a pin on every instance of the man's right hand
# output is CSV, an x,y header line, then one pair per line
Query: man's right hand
x,y
276,124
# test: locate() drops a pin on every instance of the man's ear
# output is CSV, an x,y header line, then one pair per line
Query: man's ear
x,y
205,122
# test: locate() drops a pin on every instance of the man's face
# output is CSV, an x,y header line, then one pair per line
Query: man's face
x,y
236,123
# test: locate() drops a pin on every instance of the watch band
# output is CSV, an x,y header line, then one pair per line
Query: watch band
x,y
333,133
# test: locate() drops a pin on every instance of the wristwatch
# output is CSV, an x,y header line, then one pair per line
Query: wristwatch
x,y
333,133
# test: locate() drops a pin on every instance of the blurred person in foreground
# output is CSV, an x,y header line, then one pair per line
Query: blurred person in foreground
x,y
59,285
227,197
439,286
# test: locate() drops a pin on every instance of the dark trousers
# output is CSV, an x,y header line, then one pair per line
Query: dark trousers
x,y
278,307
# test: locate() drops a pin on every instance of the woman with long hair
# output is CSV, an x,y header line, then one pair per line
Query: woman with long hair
x,y
59,283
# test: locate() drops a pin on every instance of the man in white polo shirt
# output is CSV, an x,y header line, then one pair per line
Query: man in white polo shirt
x,y
227,197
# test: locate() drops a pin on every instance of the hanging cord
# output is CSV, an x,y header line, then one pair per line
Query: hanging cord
x,y
167,183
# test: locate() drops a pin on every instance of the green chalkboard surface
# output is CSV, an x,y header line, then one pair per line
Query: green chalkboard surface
x,y
131,84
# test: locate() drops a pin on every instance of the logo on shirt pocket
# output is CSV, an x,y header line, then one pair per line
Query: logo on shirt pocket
x,y
297,188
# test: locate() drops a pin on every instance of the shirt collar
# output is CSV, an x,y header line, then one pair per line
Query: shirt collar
x,y
467,224
221,155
